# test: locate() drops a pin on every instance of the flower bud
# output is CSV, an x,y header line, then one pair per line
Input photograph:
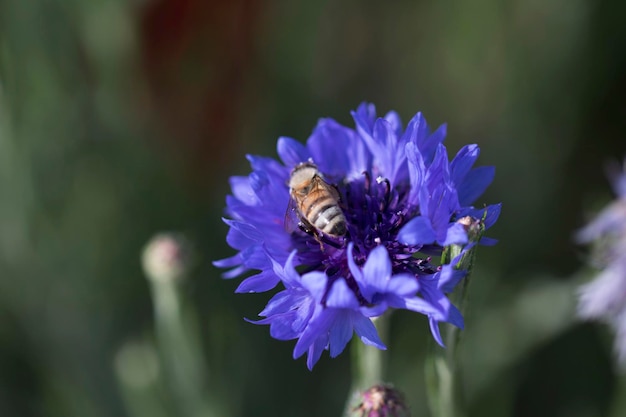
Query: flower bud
x,y
166,257
473,226
381,401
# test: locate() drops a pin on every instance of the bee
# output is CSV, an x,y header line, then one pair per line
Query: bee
x,y
315,202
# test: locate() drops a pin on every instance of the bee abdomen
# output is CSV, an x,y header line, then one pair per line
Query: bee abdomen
x,y
330,220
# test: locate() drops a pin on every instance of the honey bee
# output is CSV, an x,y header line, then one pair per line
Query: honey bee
x,y
315,202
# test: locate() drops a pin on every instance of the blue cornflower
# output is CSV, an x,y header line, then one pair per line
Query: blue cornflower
x,y
400,196
605,297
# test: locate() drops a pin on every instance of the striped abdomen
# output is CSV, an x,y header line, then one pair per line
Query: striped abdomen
x,y
321,209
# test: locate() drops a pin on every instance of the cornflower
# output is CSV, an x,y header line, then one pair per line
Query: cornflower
x,y
401,198
604,298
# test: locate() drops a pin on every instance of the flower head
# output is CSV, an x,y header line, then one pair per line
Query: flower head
x,y
347,224
381,401
605,297
167,257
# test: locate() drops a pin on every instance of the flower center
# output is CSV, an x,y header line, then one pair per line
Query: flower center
x,y
375,212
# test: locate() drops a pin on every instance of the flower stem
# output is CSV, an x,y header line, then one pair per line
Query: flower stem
x,y
368,365
180,350
441,368
442,376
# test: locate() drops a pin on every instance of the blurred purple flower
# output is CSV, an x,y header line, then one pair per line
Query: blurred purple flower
x,y
380,401
604,298
400,195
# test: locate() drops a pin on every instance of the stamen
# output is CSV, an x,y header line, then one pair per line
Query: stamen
x,y
368,181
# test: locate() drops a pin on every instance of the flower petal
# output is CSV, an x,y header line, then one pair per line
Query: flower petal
x,y
434,329
366,331
341,296
475,184
403,285
376,272
463,162
418,231
340,333
456,235
261,282
419,305
291,152
315,351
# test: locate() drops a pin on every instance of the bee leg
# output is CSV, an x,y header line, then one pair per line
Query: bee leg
x,y
320,237
306,229
313,233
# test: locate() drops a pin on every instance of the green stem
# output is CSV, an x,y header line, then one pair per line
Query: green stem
x,y
368,365
181,352
442,373
442,382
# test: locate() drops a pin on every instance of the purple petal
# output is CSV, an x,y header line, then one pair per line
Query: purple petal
x,y
429,146
243,191
487,241
228,262
263,281
418,231
475,184
444,202
340,333
364,117
377,309
416,131
315,283
291,152
419,305
604,295
341,296
610,219
395,122
235,272
245,229
354,269
417,172
449,277
280,303
455,317
434,329
493,212
270,166
463,162
282,330
434,296
376,271
366,331
315,351
318,327
330,135
288,273
403,285
456,235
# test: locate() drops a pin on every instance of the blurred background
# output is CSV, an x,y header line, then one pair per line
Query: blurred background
x,y
120,119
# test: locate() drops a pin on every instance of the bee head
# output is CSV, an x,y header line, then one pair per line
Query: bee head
x,y
303,173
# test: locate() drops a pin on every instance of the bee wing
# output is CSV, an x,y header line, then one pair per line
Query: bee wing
x,y
292,216
320,182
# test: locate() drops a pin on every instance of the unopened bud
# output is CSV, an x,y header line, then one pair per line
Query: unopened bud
x,y
463,254
473,226
166,257
381,401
